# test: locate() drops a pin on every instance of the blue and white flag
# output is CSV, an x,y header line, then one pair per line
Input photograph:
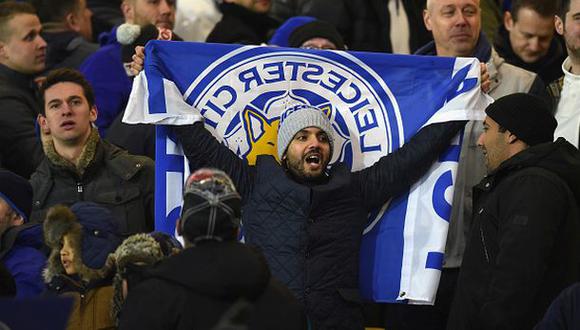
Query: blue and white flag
x,y
375,102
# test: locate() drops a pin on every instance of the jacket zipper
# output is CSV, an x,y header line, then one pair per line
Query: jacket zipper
x,y
80,190
484,246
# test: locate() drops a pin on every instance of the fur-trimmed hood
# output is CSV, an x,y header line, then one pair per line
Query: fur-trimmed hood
x,y
92,232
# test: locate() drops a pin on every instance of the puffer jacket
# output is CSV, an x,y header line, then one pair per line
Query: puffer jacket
x,y
310,234
524,245
106,175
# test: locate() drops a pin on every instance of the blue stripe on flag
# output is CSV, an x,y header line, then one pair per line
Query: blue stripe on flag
x,y
165,163
434,260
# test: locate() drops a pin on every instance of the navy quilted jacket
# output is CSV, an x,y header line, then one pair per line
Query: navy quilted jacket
x,y
310,235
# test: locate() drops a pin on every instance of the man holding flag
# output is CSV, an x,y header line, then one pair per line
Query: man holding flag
x,y
307,217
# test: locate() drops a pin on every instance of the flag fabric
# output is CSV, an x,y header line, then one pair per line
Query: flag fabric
x,y
375,103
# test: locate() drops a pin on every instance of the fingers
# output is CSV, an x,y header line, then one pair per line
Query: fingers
x,y
138,60
485,78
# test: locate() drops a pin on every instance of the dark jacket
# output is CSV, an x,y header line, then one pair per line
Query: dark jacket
x,y
20,251
66,49
241,26
20,148
310,234
548,68
365,24
197,287
563,312
110,177
105,72
524,243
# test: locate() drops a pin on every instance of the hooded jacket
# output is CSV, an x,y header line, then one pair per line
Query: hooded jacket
x,y
197,287
92,233
548,68
524,243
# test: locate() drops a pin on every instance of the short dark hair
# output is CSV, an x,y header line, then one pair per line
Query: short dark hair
x,y
66,75
10,9
545,8
563,9
51,11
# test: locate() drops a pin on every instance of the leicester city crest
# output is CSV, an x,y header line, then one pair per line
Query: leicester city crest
x,y
242,94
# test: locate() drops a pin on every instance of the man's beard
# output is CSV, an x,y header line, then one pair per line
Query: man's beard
x,y
297,170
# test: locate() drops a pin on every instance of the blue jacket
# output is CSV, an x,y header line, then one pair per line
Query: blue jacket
x,y
310,234
22,257
105,72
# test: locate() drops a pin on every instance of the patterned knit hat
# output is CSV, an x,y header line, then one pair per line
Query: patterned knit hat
x,y
297,118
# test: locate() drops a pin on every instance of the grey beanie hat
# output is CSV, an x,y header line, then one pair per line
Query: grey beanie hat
x,y
297,118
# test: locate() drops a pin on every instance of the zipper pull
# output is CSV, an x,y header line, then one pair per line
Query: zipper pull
x,y
79,187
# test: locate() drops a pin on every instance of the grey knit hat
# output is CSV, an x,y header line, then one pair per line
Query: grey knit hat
x,y
299,117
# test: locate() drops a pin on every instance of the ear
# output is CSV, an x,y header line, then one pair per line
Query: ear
x,y
18,221
2,50
127,10
427,20
71,22
508,21
41,120
93,114
559,24
511,138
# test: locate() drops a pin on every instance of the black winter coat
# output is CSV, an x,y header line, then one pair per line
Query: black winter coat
x,y
241,26
20,147
196,288
525,240
310,234
366,24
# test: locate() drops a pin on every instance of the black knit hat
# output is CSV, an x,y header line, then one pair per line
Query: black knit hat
x,y
527,116
16,192
211,207
315,29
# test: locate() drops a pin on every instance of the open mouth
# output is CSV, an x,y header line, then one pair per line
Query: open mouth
x,y
68,124
313,159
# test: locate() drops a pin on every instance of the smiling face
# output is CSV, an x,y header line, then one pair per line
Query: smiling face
x,y
308,154
455,25
68,115
67,256
23,50
530,35
494,142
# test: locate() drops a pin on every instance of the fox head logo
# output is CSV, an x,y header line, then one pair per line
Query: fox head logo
x,y
262,135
